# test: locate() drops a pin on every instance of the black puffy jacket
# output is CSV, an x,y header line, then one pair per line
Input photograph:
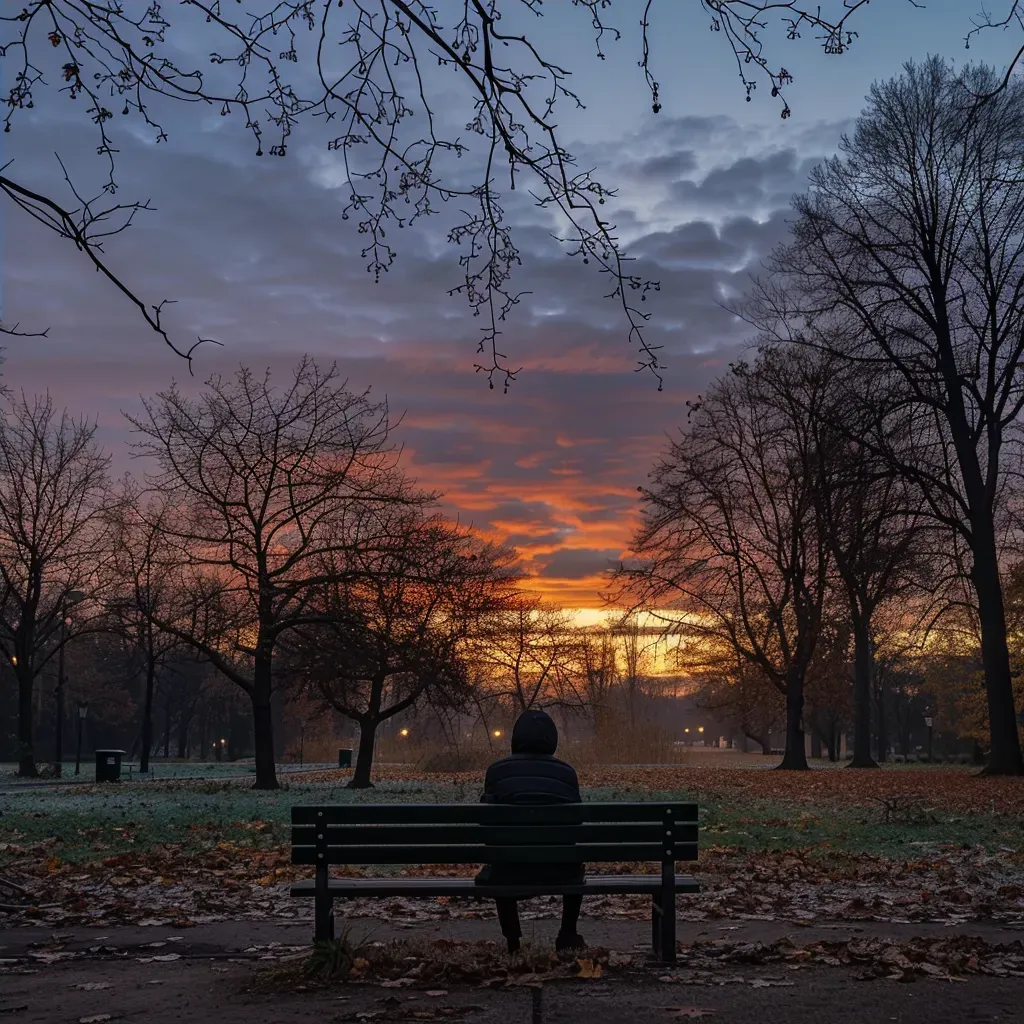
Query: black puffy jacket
x,y
532,775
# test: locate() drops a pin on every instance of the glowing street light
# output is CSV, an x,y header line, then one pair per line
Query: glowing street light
x,y
700,728
404,732
497,734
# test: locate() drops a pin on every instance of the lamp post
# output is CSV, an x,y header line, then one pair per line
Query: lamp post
x,y
71,597
83,710
928,724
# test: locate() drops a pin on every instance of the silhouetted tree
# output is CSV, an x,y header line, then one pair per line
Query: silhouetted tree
x,y
53,543
908,258
395,620
253,481
730,536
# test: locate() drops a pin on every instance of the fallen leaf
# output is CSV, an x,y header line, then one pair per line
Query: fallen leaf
x,y
589,969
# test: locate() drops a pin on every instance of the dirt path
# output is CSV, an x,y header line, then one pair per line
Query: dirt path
x,y
199,990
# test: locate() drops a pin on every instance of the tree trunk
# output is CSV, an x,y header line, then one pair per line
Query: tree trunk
x,y
263,720
1004,754
147,716
263,743
26,755
795,758
883,736
364,757
863,659
815,743
167,727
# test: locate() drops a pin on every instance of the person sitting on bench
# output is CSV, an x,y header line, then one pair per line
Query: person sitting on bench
x,y
533,775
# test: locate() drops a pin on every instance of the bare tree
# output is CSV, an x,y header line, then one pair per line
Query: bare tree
x,y
729,536
115,57
634,647
53,497
254,480
143,590
396,618
531,656
908,256
870,516
736,689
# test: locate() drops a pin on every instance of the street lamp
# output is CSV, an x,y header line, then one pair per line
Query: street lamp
x,y
403,732
928,724
83,710
70,598
497,734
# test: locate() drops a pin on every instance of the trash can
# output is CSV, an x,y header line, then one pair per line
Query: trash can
x,y
108,765
344,758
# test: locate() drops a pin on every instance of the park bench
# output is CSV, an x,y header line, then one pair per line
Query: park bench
x,y
436,834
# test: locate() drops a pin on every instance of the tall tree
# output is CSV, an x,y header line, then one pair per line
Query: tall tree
x,y
871,517
729,536
142,591
254,479
53,494
908,257
395,621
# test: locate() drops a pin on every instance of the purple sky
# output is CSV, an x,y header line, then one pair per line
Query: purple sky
x,y
257,256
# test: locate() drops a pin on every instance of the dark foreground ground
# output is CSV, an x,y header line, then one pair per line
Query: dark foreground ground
x,y
220,973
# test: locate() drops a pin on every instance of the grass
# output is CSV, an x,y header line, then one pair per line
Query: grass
x,y
90,823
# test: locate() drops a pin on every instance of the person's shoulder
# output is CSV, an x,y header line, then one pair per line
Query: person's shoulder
x,y
564,764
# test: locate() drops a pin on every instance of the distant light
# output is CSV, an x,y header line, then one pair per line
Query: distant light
x,y
686,730
14,659
700,728
223,742
497,733
404,732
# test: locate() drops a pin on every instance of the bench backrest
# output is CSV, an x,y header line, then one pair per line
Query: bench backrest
x,y
593,833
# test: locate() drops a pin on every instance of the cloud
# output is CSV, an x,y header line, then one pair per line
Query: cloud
x,y
257,256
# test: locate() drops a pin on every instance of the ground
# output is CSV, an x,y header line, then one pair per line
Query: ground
x,y
887,895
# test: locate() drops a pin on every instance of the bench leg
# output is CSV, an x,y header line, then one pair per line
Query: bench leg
x,y
663,920
323,919
667,930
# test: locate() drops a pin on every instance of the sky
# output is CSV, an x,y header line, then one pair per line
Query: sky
x,y
255,253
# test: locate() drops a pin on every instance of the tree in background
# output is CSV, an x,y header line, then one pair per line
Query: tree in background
x,y
142,591
730,537
390,624
908,258
872,518
530,655
54,493
253,481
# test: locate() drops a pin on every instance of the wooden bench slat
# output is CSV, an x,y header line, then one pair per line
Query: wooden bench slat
x,y
589,853
595,885
496,814
501,835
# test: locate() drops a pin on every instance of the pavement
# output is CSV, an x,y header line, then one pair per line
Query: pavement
x,y
209,972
